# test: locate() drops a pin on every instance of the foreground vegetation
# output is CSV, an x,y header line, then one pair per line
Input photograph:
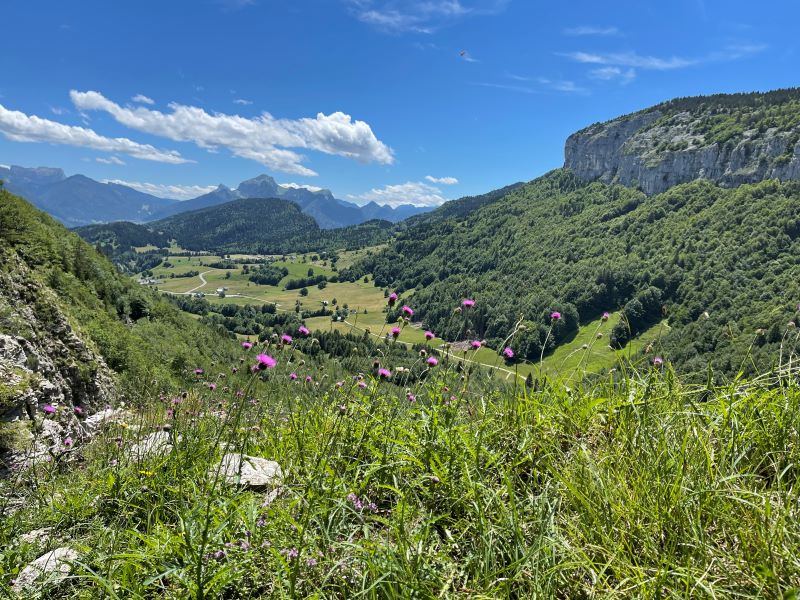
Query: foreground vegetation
x,y
452,487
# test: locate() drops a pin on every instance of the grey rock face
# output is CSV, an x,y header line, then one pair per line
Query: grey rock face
x,y
641,151
49,568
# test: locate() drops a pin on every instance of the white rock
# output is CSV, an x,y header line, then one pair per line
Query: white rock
x,y
48,568
36,536
250,471
154,444
97,421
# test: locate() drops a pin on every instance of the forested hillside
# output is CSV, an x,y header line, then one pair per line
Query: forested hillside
x,y
723,266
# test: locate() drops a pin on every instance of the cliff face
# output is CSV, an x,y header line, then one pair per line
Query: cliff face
x,y
745,140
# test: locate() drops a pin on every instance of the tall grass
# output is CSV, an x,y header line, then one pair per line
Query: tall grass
x,y
639,487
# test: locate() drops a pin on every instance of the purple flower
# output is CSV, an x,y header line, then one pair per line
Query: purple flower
x,y
78,410
391,299
49,409
658,361
432,361
286,339
311,562
385,373
468,303
605,316
266,362
303,330
408,311
411,397
362,384
309,379
475,344
292,376
395,332
555,315
68,441
508,352
212,386
429,335
247,345
292,553
198,371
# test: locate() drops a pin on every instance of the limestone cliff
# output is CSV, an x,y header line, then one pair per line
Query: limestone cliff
x,y
728,139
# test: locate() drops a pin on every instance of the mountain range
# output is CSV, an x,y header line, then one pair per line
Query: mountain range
x,y
79,200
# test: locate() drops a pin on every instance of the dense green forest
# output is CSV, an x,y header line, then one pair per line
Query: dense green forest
x,y
722,265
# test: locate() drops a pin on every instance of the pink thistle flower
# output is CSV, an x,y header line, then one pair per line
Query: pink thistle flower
x,y
411,397
391,299
407,310
292,376
605,316
468,303
476,344
247,345
266,362
429,335
198,371
555,315
362,384
49,409
658,361
309,379
432,361
78,410
395,331
508,352
385,373
286,339
303,330
212,386
68,441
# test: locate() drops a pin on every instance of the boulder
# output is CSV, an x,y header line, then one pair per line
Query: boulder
x,y
250,471
48,568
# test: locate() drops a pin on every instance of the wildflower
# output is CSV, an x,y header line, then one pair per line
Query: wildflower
x,y
339,384
475,344
407,310
303,330
247,345
391,299
362,384
395,332
429,335
384,373
198,371
555,315
68,441
292,553
261,522
508,352
467,303
411,397
308,379
78,410
212,386
311,562
286,339
342,408
265,362
432,361
658,361
605,316
49,409
292,376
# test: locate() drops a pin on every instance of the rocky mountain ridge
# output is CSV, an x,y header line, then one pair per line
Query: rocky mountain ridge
x,y
728,139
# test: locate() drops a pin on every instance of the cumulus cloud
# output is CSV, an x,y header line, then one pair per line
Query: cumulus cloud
x,y
263,139
177,192
412,192
142,99
111,160
442,180
20,127
301,186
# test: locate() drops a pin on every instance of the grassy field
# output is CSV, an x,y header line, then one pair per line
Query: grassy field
x,y
588,352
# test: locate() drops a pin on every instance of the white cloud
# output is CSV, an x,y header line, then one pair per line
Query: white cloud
x,y
412,192
613,74
420,16
142,99
243,102
111,160
442,180
299,186
57,110
5,167
263,139
632,59
561,85
19,127
178,192
466,57
589,30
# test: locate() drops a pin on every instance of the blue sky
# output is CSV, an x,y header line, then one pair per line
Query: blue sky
x,y
395,101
